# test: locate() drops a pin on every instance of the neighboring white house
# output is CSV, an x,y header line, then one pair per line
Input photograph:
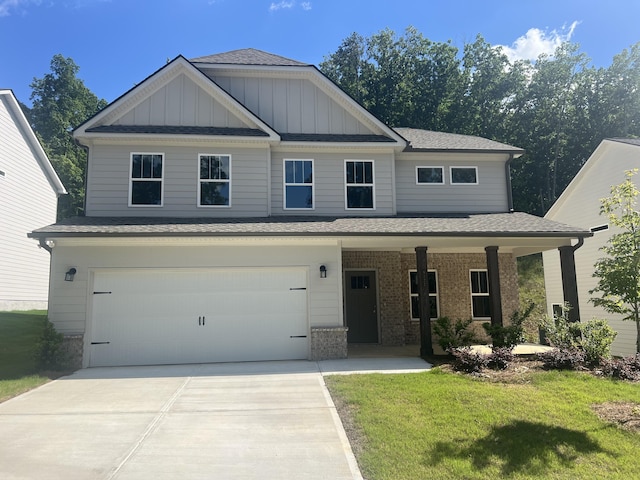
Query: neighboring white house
x,y
579,205
29,189
240,206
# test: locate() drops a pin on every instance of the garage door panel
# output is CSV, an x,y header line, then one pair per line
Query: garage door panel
x,y
157,316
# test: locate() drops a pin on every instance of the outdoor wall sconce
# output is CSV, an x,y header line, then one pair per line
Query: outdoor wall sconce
x,y
68,276
323,271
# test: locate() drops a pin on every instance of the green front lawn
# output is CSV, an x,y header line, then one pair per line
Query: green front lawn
x,y
19,334
439,425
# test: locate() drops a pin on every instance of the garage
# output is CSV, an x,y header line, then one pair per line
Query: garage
x,y
173,316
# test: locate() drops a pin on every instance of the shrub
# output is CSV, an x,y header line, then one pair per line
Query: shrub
x,y
49,354
500,358
627,368
466,360
597,337
570,358
560,332
453,334
512,334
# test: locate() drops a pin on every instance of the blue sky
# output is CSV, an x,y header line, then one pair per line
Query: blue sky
x,y
118,43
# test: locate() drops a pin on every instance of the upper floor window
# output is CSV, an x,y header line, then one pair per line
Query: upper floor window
x,y
214,189
298,184
415,299
464,175
359,185
430,175
480,301
146,179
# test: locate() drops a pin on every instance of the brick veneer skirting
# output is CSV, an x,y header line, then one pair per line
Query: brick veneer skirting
x,y
328,343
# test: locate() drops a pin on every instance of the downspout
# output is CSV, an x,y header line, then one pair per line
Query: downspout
x,y
507,173
42,243
578,245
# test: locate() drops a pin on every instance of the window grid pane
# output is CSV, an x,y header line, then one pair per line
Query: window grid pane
x,y
146,179
298,184
415,299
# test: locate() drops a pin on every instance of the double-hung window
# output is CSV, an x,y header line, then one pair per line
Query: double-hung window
x,y
415,299
298,184
214,189
430,175
480,302
359,184
145,188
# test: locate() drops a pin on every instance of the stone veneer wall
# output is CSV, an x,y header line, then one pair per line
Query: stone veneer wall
x,y
454,289
390,282
328,343
72,346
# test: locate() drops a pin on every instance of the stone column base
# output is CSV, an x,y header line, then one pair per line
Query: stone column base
x,y
328,343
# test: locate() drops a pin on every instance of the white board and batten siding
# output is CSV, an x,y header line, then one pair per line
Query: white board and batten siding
x,y
72,310
489,195
329,183
27,202
292,105
109,170
579,206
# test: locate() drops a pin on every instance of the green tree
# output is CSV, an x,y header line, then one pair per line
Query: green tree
x,y
619,272
61,102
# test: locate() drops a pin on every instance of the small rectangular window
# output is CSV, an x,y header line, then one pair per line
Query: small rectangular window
x,y
298,184
433,294
359,184
480,300
464,175
214,181
145,187
430,175
360,282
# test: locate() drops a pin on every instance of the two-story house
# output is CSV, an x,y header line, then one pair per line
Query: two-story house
x,y
241,206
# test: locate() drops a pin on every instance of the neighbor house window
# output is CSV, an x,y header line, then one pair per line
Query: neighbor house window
x,y
146,179
480,301
433,294
359,184
298,184
430,175
214,181
464,175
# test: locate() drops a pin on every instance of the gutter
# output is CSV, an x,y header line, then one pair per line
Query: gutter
x,y
507,172
42,243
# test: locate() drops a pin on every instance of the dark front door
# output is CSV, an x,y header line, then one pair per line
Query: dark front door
x,y
361,306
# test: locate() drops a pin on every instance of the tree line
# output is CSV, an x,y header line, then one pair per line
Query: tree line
x,y
557,108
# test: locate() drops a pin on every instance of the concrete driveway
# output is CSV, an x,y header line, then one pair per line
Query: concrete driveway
x,y
267,420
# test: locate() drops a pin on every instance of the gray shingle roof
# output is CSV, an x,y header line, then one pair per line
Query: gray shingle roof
x,y
427,140
630,141
178,130
490,224
248,56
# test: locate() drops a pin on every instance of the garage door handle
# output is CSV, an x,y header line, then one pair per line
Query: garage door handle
x,y
297,336
100,343
203,321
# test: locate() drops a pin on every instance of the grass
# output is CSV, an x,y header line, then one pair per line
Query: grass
x,y
19,333
440,425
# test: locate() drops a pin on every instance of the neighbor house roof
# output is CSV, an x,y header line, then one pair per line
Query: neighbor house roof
x,y
483,225
630,141
428,140
248,56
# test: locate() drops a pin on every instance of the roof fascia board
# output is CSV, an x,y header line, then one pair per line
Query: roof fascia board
x,y
160,78
516,152
34,143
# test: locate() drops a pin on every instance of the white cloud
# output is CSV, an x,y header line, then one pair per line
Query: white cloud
x,y
536,42
7,5
281,5
306,5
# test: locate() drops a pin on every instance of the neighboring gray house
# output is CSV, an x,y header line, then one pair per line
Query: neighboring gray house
x,y
29,189
580,205
241,206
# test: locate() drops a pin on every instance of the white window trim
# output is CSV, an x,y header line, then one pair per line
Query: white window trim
x,y
478,294
131,180
285,184
229,181
372,185
477,182
429,183
436,295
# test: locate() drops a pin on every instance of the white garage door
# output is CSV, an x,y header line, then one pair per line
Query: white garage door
x,y
169,316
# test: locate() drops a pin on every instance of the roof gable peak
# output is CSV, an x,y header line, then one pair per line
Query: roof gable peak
x,y
248,56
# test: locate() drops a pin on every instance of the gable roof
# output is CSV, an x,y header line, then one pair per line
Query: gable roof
x,y
430,141
33,142
101,123
248,56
